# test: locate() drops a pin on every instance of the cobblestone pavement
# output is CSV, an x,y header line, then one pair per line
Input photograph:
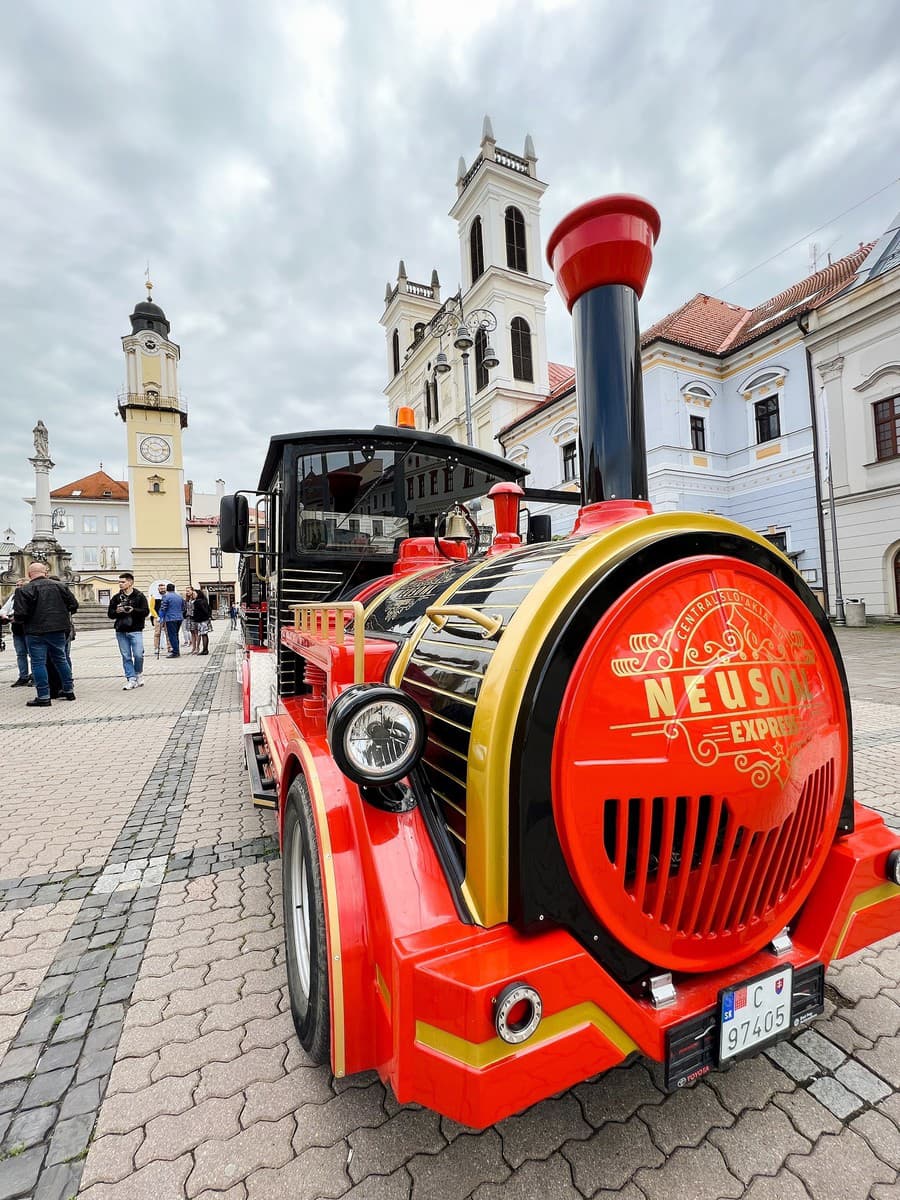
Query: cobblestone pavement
x,y
146,1049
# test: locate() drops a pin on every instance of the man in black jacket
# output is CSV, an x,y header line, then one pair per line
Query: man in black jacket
x,y
44,606
130,609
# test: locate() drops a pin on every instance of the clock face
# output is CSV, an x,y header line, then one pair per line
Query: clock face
x,y
155,449
151,345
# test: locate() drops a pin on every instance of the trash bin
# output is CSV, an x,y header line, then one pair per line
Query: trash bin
x,y
855,613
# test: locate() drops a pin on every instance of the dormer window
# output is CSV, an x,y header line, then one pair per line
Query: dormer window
x,y
516,256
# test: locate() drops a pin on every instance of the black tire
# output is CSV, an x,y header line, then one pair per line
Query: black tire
x,y
304,925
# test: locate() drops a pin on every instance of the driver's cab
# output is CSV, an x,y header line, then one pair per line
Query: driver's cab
x,y
334,510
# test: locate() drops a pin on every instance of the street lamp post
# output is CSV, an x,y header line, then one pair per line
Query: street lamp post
x,y
454,322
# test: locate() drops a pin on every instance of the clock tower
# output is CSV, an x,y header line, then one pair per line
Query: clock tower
x,y
154,416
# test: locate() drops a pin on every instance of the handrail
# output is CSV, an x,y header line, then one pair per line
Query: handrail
x,y
439,614
326,622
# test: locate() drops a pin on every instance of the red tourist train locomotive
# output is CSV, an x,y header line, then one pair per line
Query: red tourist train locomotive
x,y
552,804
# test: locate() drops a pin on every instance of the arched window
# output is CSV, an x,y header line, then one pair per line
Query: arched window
x,y
418,331
481,371
395,346
476,249
435,412
520,337
516,258
427,402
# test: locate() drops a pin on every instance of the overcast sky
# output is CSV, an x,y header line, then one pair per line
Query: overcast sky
x,y
273,161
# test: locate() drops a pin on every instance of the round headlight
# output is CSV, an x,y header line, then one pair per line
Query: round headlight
x,y
376,733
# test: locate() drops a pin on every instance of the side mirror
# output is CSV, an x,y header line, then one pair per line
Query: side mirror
x,y
234,524
540,528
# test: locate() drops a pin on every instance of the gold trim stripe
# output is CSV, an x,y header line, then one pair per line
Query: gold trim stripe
x,y
875,895
336,963
502,693
485,1054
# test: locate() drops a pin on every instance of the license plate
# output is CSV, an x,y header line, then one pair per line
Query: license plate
x,y
754,1013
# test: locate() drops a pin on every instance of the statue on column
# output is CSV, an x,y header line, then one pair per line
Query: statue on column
x,y
41,440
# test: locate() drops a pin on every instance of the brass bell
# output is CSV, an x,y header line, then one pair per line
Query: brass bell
x,y
457,526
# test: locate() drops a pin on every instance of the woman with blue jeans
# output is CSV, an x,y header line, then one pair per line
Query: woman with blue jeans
x,y
19,644
130,610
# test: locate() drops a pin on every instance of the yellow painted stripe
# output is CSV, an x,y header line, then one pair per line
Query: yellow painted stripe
x,y
383,988
336,965
486,1054
875,895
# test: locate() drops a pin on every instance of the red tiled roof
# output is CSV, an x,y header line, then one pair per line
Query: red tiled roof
x,y
98,486
702,323
559,376
715,327
95,487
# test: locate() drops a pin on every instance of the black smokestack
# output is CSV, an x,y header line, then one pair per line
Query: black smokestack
x,y
600,255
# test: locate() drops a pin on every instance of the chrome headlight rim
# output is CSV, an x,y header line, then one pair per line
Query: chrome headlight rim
x,y
344,712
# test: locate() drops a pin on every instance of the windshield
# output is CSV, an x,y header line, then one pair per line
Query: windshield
x,y
364,503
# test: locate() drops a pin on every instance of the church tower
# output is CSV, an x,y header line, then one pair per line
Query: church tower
x,y
498,216
497,211
154,417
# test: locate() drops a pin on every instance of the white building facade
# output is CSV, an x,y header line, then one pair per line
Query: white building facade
x,y
855,346
90,519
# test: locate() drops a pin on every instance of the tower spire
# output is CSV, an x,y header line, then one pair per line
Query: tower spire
x,y
148,284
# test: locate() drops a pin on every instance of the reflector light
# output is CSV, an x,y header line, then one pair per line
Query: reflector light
x,y
517,1013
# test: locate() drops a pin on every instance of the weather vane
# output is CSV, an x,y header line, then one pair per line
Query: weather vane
x,y
148,285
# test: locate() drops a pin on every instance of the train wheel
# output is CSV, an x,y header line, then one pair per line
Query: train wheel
x,y
304,925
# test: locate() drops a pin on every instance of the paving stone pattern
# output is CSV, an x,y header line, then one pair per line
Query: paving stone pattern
x,y
147,1050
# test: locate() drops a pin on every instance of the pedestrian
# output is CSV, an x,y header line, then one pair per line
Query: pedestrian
x,y
44,607
202,619
187,633
171,614
233,613
19,644
155,603
130,610
53,678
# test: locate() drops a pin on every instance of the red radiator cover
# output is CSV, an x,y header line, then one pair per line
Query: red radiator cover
x,y
700,762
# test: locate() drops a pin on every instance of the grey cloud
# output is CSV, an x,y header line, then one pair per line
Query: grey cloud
x,y
275,161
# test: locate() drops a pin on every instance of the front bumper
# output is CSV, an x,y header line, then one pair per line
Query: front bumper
x,y
438,994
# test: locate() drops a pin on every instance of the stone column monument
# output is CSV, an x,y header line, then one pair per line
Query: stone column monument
x,y
42,519
43,546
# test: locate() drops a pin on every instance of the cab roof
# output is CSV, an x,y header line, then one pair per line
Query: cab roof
x,y
389,437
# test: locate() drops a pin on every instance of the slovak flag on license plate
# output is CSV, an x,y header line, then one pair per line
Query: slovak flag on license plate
x,y
779,986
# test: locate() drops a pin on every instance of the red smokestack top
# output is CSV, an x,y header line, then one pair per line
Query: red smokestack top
x,y
607,240
601,255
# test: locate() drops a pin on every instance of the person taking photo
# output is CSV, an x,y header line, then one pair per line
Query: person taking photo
x,y
130,609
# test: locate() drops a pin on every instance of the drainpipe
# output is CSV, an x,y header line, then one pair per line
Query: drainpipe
x,y
803,325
